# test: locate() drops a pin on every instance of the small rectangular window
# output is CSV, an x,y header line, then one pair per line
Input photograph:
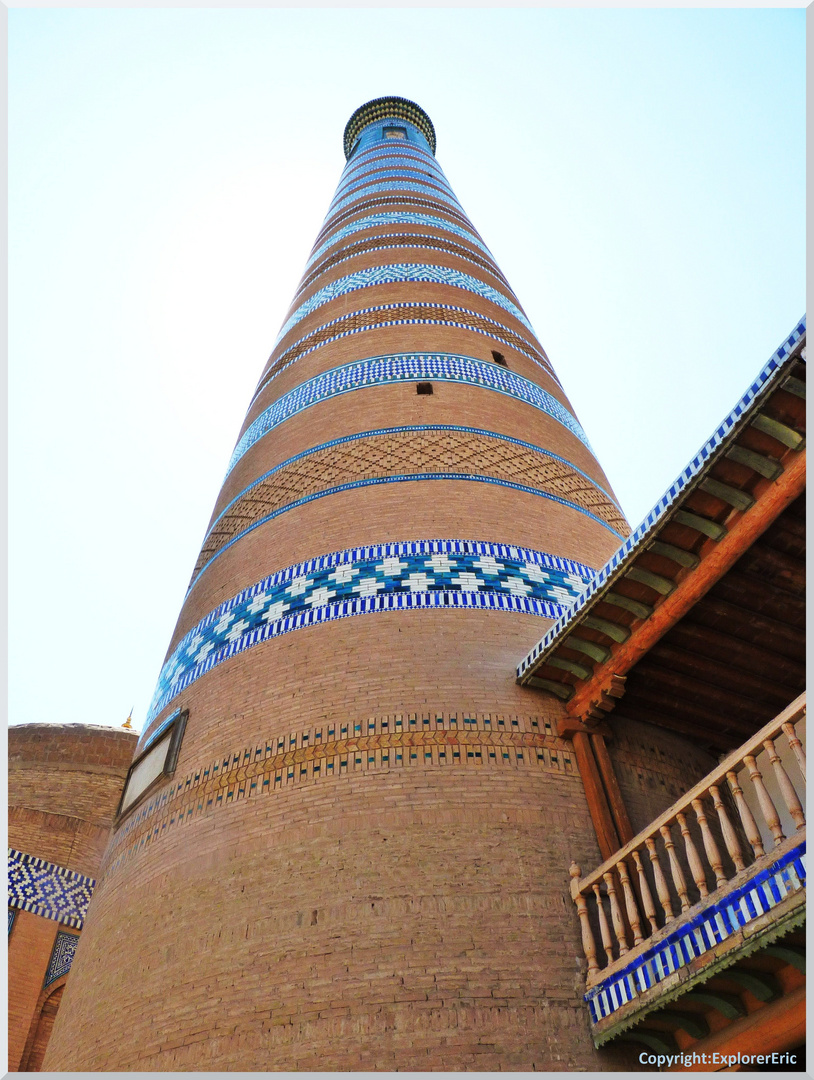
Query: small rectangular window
x,y
154,764
423,388
394,133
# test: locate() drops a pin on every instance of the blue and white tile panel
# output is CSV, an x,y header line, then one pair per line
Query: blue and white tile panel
x,y
375,175
61,957
363,580
373,221
403,241
47,889
393,274
700,935
756,390
405,367
393,188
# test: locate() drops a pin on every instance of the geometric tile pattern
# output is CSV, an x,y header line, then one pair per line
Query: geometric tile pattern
x,y
761,384
414,165
390,153
404,173
47,889
393,274
397,185
391,200
373,221
337,748
424,313
702,934
406,367
61,956
421,452
398,240
413,574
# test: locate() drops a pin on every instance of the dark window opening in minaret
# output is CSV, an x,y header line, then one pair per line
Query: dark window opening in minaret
x,y
499,358
423,388
394,133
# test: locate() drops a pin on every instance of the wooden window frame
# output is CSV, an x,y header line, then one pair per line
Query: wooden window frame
x,y
176,730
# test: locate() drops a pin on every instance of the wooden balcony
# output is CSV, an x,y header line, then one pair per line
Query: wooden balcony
x,y
717,877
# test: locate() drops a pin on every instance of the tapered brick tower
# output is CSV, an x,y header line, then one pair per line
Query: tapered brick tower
x,y
344,842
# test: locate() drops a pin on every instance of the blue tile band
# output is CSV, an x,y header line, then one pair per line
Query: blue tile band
x,y
395,274
394,241
47,889
363,580
61,957
405,367
356,169
778,360
373,221
347,187
701,934
389,200
394,187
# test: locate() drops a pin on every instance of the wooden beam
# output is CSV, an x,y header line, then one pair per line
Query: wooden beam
x,y
694,1024
795,386
589,648
701,524
676,708
610,629
728,1005
560,690
760,984
739,655
691,687
610,783
784,434
741,500
718,560
579,670
701,664
606,834
675,554
759,463
657,582
635,607
746,624
775,1028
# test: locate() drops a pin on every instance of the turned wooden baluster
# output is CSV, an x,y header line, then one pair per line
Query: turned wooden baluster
x,y
711,848
791,734
693,858
616,914
647,899
661,882
746,816
730,836
588,946
767,807
793,804
604,929
675,868
630,903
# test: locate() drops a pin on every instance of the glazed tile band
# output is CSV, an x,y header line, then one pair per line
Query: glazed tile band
x,y
394,186
389,200
403,173
333,748
388,157
405,367
395,241
394,274
425,314
62,956
47,889
373,221
396,455
358,581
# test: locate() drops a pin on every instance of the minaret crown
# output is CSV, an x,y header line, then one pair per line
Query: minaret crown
x,y
388,108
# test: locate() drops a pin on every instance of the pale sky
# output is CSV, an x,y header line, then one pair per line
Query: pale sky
x,y
638,175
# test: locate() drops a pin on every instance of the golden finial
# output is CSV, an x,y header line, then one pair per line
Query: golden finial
x,y
128,725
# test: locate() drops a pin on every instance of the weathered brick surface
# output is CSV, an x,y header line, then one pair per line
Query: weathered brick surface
x,y
64,783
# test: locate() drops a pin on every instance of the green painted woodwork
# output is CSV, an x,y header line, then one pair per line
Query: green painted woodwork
x,y
741,500
791,954
761,984
758,463
676,554
590,648
661,584
561,690
610,629
728,1005
701,524
784,434
695,1025
636,607
569,665
795,386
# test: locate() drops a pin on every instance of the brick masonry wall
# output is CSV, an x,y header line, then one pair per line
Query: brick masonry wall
x,y
64,783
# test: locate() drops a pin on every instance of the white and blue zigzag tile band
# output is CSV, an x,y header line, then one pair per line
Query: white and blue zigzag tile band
x,y
373,221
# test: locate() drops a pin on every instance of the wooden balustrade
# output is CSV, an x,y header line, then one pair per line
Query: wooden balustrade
x,y
642,882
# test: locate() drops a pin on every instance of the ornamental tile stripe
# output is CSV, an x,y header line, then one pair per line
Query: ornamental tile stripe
x,y
356,168
373,221
382,577
430,315
404,173
391,187
401,739
692,939
778,360
394,241
62,956
394,274
391,200
405,367
47,889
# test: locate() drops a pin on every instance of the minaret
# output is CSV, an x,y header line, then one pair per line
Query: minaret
x,y
345,840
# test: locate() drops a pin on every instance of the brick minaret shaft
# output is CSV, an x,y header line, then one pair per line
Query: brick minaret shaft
x,y
361,860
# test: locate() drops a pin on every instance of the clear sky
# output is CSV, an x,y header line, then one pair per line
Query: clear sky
x,y
638,174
